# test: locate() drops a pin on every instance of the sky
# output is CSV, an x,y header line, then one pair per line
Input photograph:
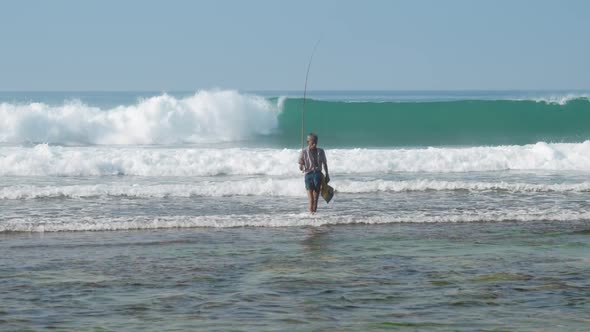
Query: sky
x,y
266,45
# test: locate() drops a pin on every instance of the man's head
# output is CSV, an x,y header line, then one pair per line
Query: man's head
x,y
312,140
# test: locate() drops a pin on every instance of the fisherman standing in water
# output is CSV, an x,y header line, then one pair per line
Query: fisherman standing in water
x,y
310,162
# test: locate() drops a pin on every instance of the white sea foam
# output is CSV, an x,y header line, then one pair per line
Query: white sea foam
x,y
207,116
560,99
268,187
48,224
46,160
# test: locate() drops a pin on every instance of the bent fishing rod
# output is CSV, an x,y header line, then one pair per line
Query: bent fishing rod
x,y
305,95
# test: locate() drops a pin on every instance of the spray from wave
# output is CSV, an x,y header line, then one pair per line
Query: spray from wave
x,y
207,116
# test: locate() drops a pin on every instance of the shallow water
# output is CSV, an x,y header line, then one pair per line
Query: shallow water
x,y
525,276
143,211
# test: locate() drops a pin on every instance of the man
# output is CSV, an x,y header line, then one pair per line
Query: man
x,y
310,162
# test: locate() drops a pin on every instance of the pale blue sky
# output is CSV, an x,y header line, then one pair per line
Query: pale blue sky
x,y
265,45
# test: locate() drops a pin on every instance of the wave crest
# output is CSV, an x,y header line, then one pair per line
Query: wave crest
x,y
207,116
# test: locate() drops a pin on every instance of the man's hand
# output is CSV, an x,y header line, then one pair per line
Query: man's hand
x,y
327,178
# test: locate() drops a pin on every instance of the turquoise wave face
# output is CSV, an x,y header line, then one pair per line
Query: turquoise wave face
x,y
450,123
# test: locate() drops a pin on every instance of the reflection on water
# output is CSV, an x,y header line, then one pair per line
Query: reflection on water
x,y
316,238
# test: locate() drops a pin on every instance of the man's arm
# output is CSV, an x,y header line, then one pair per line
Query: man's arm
x,y
326,168
301,162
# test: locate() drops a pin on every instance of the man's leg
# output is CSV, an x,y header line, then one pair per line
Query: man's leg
x,y
310,197
316,195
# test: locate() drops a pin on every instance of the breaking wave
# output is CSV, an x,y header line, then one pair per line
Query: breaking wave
x,y
207,116
47,160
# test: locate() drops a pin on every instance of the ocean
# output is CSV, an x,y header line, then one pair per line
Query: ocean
x,y
454,210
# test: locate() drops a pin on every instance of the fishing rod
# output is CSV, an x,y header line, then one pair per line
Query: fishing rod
x,y
305,94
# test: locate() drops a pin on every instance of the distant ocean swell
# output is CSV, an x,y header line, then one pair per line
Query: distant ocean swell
x,y
467,122
47,160
230,116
